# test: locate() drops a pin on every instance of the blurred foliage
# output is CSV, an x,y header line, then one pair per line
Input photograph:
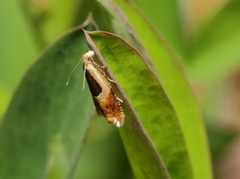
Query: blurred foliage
x,y
18,49
207,49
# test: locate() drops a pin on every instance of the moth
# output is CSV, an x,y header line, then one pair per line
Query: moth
x,y
106,101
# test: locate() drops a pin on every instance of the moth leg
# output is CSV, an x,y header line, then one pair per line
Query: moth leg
x,y
103,72
100,69
109,79
103,66
121,101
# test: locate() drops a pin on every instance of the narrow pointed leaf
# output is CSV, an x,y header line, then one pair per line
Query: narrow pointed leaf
x,y
148,99
143,156
172,79
167,18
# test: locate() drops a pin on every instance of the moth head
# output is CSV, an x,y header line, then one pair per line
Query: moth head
x,y
86,57
90,54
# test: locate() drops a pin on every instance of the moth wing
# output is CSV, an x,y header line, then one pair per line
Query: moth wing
x,y
98,109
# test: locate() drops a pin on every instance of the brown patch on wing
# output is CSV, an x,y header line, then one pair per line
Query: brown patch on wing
x,y
94,87
110,108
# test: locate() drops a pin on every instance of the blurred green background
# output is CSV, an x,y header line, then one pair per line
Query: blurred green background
x,y
205,36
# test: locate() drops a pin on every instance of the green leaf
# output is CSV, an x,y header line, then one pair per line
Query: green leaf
x,y
49,19
5,98
152,107
215,50
166,17
15,56
103,155
143,156
173,81
46,122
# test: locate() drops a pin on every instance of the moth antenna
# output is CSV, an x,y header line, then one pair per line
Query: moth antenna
x,y
73,71
84,79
